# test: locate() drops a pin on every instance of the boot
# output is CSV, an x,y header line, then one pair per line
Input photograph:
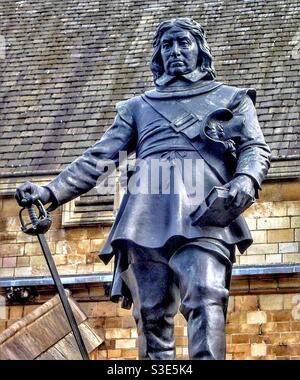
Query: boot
x,y
201,277
155,303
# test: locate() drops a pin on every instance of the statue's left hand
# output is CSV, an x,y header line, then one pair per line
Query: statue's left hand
x,y
241,192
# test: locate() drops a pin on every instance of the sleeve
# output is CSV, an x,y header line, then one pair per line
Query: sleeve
x,y
83,174
253,154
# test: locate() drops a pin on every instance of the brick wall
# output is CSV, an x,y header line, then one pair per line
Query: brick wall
x,y
275,228
75,250
265,326
259,326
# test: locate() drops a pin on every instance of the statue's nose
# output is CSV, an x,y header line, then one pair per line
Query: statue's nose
x,y
176,50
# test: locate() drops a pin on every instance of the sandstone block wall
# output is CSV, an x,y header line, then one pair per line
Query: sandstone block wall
x,y
259,326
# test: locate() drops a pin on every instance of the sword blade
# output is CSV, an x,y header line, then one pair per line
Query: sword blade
x,y
62,295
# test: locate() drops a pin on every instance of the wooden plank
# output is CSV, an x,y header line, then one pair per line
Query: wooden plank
x,y
35,333
66,348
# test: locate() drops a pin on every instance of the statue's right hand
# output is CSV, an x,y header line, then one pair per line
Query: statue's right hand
x,y
28,193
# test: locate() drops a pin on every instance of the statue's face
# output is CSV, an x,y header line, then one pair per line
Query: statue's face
x,y
179,51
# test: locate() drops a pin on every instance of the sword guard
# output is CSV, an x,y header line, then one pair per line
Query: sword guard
x,y
38,224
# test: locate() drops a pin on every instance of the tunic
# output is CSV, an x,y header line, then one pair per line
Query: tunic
x,y
154,220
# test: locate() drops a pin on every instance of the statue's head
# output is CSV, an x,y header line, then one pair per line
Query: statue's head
x,y
180,47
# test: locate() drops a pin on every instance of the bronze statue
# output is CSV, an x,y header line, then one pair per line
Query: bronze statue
x,y
165,251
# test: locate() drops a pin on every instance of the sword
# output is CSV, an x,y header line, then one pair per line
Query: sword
x,y
38,226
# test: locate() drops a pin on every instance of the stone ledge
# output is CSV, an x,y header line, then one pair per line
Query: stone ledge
x,y
95,287
238,272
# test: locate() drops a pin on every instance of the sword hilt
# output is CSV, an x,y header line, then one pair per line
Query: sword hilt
x,y
33,216
39,224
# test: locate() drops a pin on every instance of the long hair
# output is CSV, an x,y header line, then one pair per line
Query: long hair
x,y
205,60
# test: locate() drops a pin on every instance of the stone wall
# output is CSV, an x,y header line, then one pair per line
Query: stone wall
x,y
275,228
259,326
275,225
75,250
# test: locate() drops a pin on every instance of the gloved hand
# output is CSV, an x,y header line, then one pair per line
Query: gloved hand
x,y
28,193
241,192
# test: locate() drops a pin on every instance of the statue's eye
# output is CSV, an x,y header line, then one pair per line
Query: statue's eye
x,y
166,45
185,43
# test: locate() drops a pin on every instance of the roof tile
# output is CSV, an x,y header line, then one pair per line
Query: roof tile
x,y
68,63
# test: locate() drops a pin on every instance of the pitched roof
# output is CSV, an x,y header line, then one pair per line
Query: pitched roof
x,y
66,64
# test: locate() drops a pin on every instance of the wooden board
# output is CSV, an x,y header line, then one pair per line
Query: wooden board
x,y
43,329
66,348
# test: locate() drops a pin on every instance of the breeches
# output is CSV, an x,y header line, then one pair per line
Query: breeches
x,y
196,277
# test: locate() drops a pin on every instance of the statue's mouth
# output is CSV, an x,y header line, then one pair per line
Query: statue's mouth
x,y
176,62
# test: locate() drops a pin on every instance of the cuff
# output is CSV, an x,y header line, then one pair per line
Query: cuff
x,y
255,182
54,202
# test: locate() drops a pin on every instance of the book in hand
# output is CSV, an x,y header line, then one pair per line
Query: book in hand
x,y
213,212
